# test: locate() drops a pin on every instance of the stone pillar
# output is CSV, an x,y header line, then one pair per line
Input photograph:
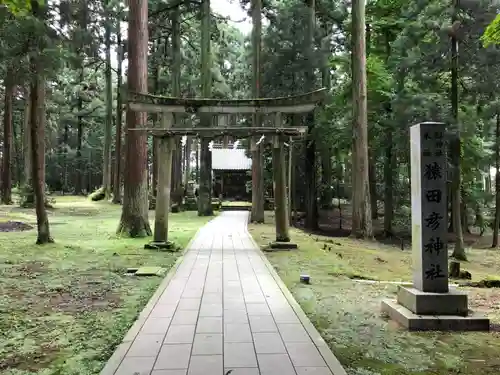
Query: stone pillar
x,y
429,208
280,199
280,196
257,213
205,189
166,147
429,304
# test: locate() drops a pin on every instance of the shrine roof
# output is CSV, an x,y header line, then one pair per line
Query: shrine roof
x,y
229,159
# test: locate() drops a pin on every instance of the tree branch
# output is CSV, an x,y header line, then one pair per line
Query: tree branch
x,y
170,7
188,42
222,18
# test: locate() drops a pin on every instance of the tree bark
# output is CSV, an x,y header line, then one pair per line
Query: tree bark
x,y
37,128
311,177
372,176
80,165
28,198
389,162
79,144
27,140
117,183
176,92
156,88
106,168
205,189
361,209
389,184
17,136
134,220
197,155
326,151
496,224
340,179
326,178
455,150
257,213
488,179
289,180
187,162
7,139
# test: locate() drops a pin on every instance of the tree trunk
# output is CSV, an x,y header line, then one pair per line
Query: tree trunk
x,y
361,208
134,220
340,179
326,178
326,152
389,162
205,189
17,138
290,179
79,143
311,220
496,224
463,214
488,179
37,128
176,92
372,176
372,173
156,87
27,139
7,139
28,197
455,150
117,184
257,214
187,162
106,168
80,164
197,154
388,185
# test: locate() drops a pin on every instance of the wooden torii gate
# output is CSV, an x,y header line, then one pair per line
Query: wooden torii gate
x,y
168,133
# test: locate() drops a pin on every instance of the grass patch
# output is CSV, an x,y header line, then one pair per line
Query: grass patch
x,y
64,307
347,312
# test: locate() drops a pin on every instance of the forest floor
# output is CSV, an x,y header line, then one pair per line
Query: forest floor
x,y
337,223
346,309
65,306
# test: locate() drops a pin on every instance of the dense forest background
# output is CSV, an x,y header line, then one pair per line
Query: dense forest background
x,y
65,81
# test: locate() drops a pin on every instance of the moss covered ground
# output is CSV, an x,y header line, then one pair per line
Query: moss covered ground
x,y
346,310
65,306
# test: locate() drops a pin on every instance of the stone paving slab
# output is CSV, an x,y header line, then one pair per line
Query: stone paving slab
x,y
223,309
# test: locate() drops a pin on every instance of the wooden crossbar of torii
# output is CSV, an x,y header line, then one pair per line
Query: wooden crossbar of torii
x,y
290,104
168,133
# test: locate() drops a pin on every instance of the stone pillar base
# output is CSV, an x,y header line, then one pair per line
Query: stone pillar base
x,y
422,303
161,246
279,245
421,311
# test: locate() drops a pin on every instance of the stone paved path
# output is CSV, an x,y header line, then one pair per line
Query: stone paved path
x,y
223,310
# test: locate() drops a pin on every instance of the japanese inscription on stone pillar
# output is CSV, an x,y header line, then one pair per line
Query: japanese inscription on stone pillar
x,y
429,207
